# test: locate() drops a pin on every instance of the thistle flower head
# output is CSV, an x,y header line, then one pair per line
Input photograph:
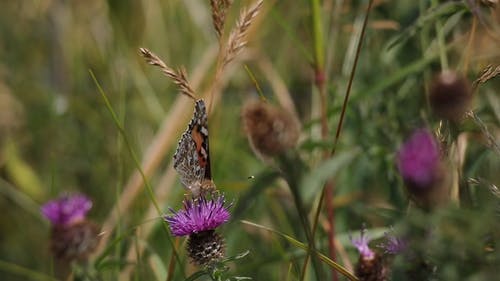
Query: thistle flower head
x,y
361,244
67,210
393,244
199,214
205,247
418,158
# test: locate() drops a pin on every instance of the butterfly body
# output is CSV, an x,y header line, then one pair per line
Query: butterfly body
x,y
192,158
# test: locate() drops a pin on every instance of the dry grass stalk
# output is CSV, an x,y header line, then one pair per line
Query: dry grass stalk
x,y
179,77
488,73
219,10
236,40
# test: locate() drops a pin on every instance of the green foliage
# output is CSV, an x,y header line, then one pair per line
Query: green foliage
x,y
57,135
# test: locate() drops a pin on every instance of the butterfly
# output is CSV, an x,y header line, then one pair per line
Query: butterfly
x,y
192,158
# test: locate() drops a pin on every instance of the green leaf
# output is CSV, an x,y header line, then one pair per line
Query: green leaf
x,y
158,267
25,272
196,275
315,180
428,18
303,246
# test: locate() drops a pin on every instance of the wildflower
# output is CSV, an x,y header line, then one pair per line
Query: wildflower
x,y
393,244
370,265
271,131
418,158
450,96
198,215
199,219
361,244
422,169
72,235
67,209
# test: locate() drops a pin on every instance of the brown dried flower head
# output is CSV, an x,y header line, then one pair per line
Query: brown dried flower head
x,y
450,96
270,130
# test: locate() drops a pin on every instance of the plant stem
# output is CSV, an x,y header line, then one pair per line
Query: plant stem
x,y
351,78
135,159
320,82
328,189
441,41
293,170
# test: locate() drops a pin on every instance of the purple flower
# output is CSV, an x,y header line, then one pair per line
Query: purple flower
x,y
67,209
418,158
361,244
393,245
198,215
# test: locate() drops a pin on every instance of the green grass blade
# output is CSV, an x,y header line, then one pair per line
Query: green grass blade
x,y
304,247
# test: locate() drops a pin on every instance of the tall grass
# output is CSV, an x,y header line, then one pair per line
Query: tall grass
x,y
294,211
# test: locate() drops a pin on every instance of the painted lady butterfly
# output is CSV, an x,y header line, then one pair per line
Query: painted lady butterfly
x,y
192,159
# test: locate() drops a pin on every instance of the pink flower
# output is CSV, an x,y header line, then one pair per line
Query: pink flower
x,y
418,159
67,209
198,215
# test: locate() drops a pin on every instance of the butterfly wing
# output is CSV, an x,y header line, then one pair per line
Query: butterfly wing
x,y
191,159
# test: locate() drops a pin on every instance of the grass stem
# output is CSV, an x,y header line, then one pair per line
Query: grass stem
x,y
135,159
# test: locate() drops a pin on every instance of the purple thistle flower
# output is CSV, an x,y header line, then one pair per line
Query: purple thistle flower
x,y
198,215
393,245
361,244
67,209
418,158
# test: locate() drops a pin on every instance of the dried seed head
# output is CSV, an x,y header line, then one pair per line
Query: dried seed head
x,y
205,247
450,96
75,241
270,130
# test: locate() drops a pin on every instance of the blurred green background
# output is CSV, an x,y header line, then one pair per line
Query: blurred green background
x,y
56,133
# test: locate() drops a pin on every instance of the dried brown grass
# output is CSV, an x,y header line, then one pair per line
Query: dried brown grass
x,y
179,77
237,38
487,73
219,11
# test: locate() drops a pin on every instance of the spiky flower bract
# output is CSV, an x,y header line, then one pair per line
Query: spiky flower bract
x,y
76,241
206,247
199,214
67,209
